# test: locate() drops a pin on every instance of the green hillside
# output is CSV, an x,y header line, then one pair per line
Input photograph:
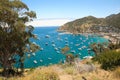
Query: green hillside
x,y
113,20
92,24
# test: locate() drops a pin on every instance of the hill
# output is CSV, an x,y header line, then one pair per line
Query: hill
x,y
113,20
92,24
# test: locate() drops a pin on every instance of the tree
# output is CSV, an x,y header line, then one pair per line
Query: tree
x,y
69,56
14,34
98,48
108,59
65,49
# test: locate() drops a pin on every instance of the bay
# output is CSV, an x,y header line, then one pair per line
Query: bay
x,y
51,42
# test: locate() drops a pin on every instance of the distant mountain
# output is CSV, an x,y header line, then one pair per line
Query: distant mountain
x,y
91,24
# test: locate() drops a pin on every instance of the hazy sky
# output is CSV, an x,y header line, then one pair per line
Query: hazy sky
x,y
72,9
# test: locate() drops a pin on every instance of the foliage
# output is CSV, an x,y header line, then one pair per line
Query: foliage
x,y
65,49
108,59
14,34
98,48
113,46
70,58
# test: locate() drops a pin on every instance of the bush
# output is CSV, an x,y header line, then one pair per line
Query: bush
x,y
108,59
47,74
70,58
69,70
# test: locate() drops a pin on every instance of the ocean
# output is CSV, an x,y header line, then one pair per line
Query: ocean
x,y
51,42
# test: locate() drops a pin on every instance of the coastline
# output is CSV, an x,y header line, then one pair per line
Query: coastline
x,y
111,37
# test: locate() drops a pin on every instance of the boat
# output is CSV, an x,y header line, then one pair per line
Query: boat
x,y
30,50
47,36
33,54
35,61
49,58
53,42
56,49
34,43
73,51
58,38
41,60
77,44
83,47
80,38
79,48
79,53
66,38
46,44
87,57
88,49
53,45
66,41
28,55
59,47
41,49
66,44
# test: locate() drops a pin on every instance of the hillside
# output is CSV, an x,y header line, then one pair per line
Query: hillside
x,y
113,20
65,72
92,24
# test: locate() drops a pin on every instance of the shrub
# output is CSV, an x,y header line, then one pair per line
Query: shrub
x,y
65,49
69,70
70,58
47,74
108,59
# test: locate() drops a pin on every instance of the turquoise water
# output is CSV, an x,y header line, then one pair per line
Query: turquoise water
x,y
52,41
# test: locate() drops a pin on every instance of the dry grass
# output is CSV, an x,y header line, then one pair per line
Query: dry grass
x,y
69,70
116,73
60,72
43,73
46,73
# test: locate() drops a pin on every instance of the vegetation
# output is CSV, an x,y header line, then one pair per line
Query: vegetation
x,y
46,74
113,20
98,48
117,73
15,35
65,49
112,46
109,59
82,25
93,24
69,70
65,72
106,54
69,56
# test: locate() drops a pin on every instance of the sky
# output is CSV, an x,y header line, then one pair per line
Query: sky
x,y
58,12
